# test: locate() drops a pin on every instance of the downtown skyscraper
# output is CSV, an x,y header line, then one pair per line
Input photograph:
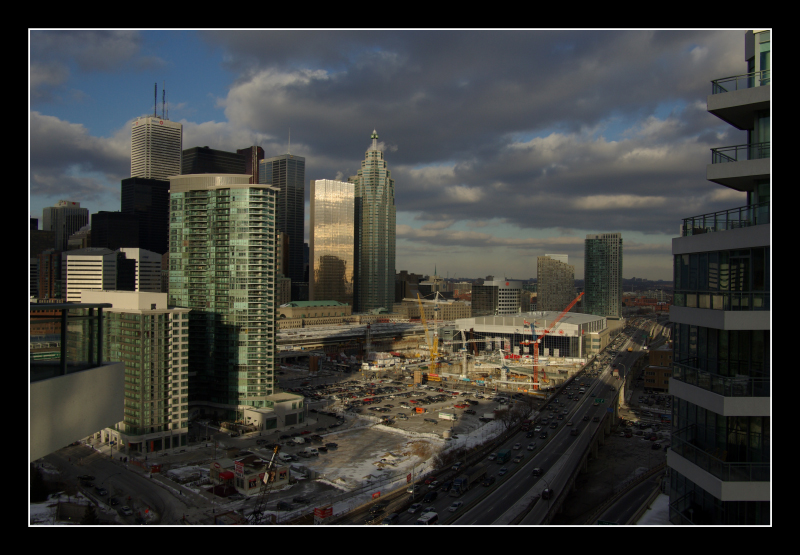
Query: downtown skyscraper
x,y
222,262
375,232
603,275
287,173
332,241
156,146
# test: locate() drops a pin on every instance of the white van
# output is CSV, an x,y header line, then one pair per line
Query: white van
x,y
298,440
285,457
311,451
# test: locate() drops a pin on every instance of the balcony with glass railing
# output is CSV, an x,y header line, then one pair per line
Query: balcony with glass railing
x,y
724,220
740,153
723,300
743,379
739,82
717,460
73,392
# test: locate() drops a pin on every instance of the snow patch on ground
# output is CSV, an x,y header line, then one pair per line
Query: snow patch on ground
x,y
44,513
657,514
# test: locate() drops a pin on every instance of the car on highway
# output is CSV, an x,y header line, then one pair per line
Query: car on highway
x,y
586,418
554,425
435,484
488,481
530,434
491,457
595,419
502,472
457,466
543,435
379,508
536,472
455,506
517,446
446,486
518,458
537,429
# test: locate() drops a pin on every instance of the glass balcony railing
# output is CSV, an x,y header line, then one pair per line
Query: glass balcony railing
x,y
681,511
737,82
723,300
65,338
740,153
714,459
751,384
724,220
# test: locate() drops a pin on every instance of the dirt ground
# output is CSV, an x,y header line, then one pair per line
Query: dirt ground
x,y
619,460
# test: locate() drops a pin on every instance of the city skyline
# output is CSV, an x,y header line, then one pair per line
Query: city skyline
x,y
495,165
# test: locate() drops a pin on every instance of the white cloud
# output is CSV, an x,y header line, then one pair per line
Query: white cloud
x,y
464,194
617,202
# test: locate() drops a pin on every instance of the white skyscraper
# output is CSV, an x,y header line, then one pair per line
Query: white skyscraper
x,y
148,269
156,146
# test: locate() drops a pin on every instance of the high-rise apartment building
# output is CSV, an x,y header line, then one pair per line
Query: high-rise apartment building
x,y
287,173
64,219
148,199
332,244
151,339
222,265
156,145
252,156
375,232
719,455
202,159
603,275
556,282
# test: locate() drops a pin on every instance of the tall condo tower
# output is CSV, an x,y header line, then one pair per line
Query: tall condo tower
x,y
156,146
556,282
603,274
222,266
288,173
375,232
332,244
720,447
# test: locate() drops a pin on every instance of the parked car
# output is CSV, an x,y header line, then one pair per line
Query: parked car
x,y
284,506
125,510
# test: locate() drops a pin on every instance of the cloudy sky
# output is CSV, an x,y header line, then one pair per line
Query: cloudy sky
x,y
504,145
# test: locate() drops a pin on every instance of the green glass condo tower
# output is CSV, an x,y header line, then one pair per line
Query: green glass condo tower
x,y
375,233
222,266
603,274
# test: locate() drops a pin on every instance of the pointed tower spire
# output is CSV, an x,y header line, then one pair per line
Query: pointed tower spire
x,y
374,138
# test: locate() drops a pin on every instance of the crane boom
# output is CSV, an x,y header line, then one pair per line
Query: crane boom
x,y
545,332
257,515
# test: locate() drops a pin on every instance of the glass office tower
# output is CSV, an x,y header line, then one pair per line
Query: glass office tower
x,y
332,245
719,456
222,266
603,275
288,173
375,232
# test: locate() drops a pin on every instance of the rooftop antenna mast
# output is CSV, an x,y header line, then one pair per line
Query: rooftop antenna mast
x,y
155,99
163,99
289,150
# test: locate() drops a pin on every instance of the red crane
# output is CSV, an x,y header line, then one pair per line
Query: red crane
x,y
541,337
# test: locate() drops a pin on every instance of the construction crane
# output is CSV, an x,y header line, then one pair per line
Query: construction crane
x,y
432,343
257,516
541,338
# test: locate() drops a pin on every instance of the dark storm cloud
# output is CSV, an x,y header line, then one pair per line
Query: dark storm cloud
x,y
52,52
67,161
523,125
